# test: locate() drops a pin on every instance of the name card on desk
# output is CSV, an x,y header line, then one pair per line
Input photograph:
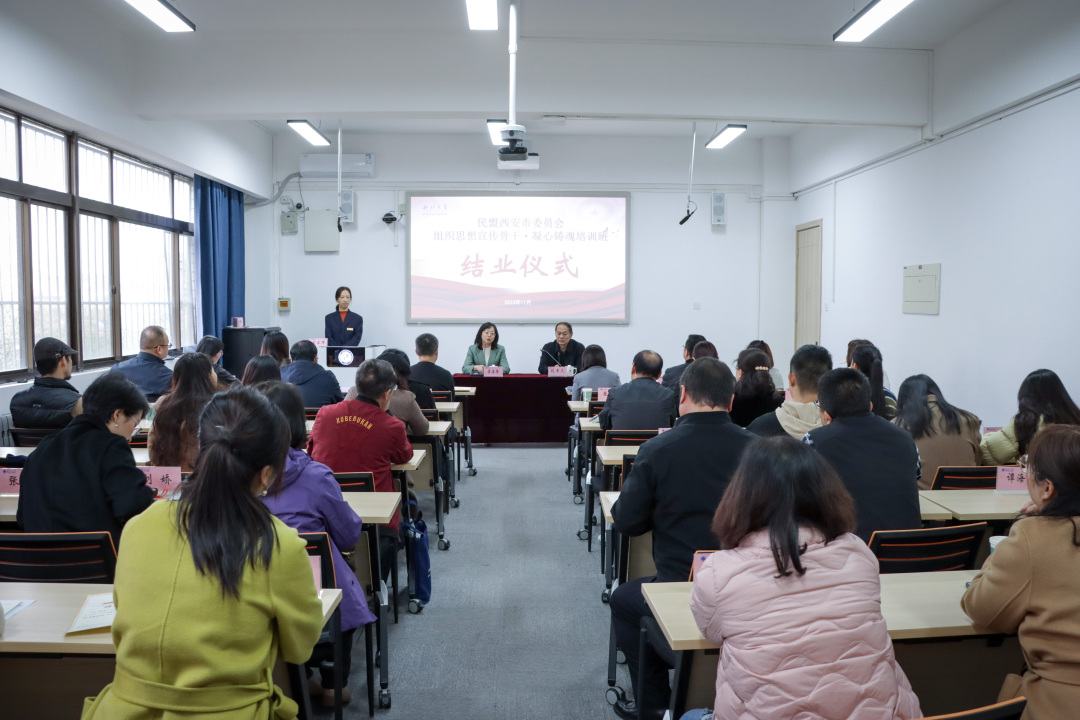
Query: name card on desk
x,y
602,393
318,342
1011,479
991,429
238,322
9,481
493,371
164,480
96,613
558,371
316,569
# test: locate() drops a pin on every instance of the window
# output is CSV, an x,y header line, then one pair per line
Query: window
x,y
189,284
95,263
142,187
94,172
184,199
44,157
146,283
9,161
48,266
12,354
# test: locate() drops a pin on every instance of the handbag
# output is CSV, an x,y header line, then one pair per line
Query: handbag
x,y
417,552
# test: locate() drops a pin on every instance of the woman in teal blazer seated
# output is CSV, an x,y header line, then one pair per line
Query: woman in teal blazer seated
x,y
485,351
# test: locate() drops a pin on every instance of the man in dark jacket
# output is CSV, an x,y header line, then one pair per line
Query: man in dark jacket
x,y
564,350
671,377
425,370
148,369
317,385
641,404
877,460
673,490
52,401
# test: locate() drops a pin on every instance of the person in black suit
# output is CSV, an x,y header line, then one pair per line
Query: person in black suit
x,y
563,350
671,377
673,490
342,326
877,460
425,370
642,403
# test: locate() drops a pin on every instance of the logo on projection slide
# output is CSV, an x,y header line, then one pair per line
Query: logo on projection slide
x,y
345,357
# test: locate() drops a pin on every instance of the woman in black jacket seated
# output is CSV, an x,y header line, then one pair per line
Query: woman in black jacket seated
x,y
84,478
343,327
755,393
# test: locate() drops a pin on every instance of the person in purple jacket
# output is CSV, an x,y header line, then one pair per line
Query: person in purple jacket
x,y
309,499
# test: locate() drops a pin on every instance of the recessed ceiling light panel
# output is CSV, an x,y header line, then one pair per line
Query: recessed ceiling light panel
x,y
163,14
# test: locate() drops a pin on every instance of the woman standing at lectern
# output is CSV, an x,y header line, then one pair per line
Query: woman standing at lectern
x,y
343,327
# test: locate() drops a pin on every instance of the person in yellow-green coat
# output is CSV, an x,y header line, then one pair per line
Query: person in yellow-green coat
x,y
198,629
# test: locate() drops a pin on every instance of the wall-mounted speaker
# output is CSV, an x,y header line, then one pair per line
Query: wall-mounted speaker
x,y
719,208
347,206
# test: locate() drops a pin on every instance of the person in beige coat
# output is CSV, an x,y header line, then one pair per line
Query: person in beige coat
x,y
1031,583
1042,400
944,434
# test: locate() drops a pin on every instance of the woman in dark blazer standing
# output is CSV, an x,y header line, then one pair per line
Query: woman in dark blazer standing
x,y
343,327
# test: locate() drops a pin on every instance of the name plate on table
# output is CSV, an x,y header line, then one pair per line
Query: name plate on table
x,y
318,342
493,371
9,481
699,559
163,479
558,371
991,429
1011,479
602,393
238,322
661,430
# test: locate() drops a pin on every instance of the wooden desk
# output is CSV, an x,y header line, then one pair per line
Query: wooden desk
x,y
930,510
439,428
614,454
417,458
977,505
464,391
374,508
142,455
448,407
9,505
607,500
578,406
588,425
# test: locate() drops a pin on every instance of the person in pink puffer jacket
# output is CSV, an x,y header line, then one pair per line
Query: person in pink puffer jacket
x,y
793,598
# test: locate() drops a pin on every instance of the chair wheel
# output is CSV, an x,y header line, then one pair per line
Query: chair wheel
x,y
567,472
384,699
579,499
615,694
583,534
415,606
620,657
605,596
472,471
454,502
444,544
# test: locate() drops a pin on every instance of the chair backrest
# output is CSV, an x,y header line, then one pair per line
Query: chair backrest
x,y
627,466
430,413
628,437
139,440
443,395
318,545
929,549
79,557
356,481
310,413
595,406
980,477
30,437
1008,710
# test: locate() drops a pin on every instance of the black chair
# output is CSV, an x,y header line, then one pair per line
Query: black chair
x,y
595,406
443,395
929,549
627,466
430,413
30,437
976,477
310,413
78,557
1008,710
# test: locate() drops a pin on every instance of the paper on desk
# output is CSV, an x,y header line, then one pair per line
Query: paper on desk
x,y
14,607
97,612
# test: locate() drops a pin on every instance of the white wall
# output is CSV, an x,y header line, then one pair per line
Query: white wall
x,y
997,208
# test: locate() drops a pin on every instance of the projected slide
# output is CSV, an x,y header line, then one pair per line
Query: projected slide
x,y
517,258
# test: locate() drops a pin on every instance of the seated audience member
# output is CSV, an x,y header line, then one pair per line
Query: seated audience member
x,y
421,390
877,461
799,415
594,373
702,349
174,440
563,350
212,589
148,369
774,372
788,562
359,435
677,480
52,401
260,369
755,394
318,386
1042,400
425,370
485,351
308,499
852,344
276,345
867,360
643,403
84,478
1030,583
212,348
671,377
403,403
945,435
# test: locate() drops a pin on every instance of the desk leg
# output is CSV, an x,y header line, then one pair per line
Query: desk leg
x,y
586,532
684,664
609,561
448,452
299,684
467,435
339,680
382,603
444,544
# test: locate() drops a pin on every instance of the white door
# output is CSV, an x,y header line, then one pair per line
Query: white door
x,y
808,284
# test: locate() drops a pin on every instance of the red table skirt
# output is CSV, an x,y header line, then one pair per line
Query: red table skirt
x,y
518,408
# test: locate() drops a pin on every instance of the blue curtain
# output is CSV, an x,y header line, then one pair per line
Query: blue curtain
x,y
219,235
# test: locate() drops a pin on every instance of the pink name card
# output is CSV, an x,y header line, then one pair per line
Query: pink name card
x,y
991,429
163,479
9,481
602,393
699,559
318,342
1011,479
661,430
493,371
238,322
558,371
316,570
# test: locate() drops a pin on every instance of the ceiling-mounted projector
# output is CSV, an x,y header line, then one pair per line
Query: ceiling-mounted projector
x,y
515,150
529,162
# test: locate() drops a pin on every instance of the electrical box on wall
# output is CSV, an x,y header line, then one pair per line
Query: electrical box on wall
x,y
288,223
922,289
284,304
321,231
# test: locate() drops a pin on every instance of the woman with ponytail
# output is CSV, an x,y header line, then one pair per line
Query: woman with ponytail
x,y
755,393
174,436
211,588
788,561
866,358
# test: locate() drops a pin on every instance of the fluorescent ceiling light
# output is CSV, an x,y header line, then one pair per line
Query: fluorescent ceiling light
x,y
495,128
308,132
869,19
163,14
722,138
483,14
